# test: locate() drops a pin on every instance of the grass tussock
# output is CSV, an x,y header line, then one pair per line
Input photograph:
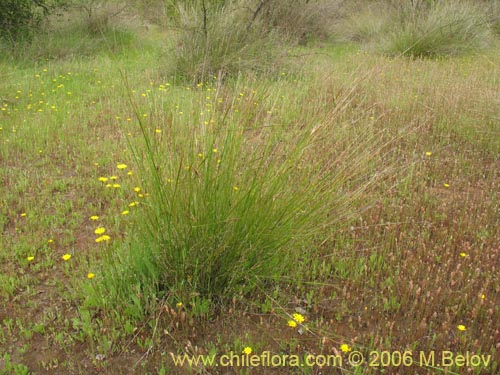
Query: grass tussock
x,y
235,194
420,28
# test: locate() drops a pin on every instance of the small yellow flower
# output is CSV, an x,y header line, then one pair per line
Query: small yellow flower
x,y
483,296
113,178
104,237
428,153
345,348
130,173
23,214
158,131
298,318
30,258
94,217
103,179
179,305
108,185
446,185
292,323
461,327
50,240
236,188
121,166
125,212
100,230
214,150
463,255
90,275
66,257
137,189
247,350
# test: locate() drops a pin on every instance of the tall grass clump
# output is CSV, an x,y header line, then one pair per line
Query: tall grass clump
x,y
437,28
221,40
237,195
416,28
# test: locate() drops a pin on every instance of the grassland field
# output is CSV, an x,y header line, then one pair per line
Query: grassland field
x,y
404,259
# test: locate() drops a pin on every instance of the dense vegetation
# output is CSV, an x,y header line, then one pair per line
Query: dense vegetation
x,y
200,177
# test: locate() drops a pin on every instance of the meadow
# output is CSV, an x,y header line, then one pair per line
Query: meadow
x,y
328,197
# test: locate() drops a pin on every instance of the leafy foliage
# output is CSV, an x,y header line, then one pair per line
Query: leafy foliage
x,y
20,18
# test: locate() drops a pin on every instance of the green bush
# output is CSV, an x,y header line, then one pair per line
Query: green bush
x,y
19,19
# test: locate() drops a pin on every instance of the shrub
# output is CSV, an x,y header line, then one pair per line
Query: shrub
x,y
20,18
362,22
223,41
300,20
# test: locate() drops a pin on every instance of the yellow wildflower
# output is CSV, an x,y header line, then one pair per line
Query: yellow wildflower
x,y
247,350
292,323
103,179
100,230
461,327
121,166
125,212
94,217
298,318
30,258
104,237
66,257
345,348
90,275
